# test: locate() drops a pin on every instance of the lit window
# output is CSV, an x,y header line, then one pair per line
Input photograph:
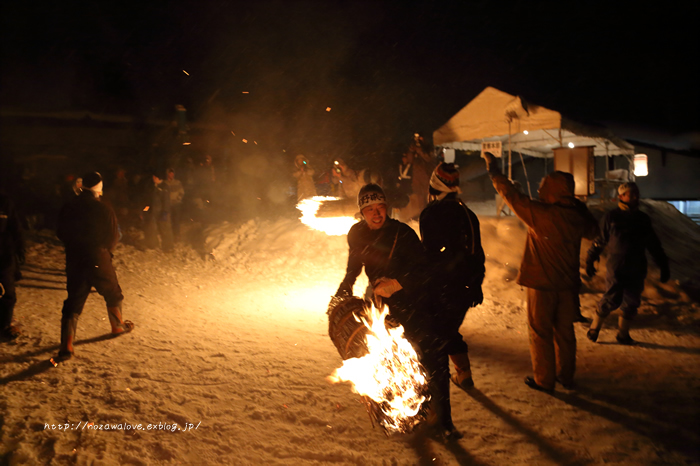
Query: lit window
x,y
641,167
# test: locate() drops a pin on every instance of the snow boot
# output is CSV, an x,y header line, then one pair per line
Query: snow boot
x,y
463,377
119,325
594,330
623,332
69,327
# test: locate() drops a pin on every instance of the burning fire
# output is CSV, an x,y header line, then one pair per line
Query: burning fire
x,y
390,375
333,226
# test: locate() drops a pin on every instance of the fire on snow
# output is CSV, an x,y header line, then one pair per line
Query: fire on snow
x,y
390,375
333,226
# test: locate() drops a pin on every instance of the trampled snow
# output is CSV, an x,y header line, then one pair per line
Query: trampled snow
x,y
230,355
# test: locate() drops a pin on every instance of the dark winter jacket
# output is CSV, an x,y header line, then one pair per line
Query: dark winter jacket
x,y
393,251
452,241
554,231
87,225
158,202
11,239
627,234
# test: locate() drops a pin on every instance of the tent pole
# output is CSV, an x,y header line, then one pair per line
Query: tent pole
x,y
510,159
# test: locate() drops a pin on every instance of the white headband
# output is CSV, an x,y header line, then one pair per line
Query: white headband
x,y
370,198
97,189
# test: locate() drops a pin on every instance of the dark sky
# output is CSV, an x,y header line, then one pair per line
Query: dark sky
x,y
386,69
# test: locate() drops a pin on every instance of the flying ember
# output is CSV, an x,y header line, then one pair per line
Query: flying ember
x,y
332,226
390,375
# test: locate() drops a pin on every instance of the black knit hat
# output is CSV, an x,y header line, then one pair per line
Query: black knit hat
x,y
91,179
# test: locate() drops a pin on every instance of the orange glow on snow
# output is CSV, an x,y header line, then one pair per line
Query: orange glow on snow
x,y
390,374
332,226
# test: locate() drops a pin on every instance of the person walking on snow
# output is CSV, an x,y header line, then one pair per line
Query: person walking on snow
x,y
393,259
452,240
627,232
88,229
550,270
12,252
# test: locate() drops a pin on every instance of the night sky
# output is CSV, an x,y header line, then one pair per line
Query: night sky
x,y
386,69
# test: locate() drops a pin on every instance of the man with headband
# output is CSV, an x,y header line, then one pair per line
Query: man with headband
x,y
393,259
452,240
88,228
627,232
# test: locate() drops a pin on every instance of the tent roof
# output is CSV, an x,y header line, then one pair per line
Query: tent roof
x,y
494,115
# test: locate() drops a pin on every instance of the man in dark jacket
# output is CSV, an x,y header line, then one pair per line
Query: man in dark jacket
x,y
11,256
550,270
393,259
452,241
89,231
157,216
627,232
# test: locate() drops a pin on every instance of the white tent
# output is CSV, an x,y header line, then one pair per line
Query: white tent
x,y
494,115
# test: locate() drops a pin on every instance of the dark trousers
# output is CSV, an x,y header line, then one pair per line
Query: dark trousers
x,y
420,330
9,299
85,272
175,218
154,228
623,292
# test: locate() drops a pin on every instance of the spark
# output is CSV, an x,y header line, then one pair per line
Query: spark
x,y
185,72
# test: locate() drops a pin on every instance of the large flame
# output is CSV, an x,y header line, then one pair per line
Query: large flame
x,y
333,226
390,374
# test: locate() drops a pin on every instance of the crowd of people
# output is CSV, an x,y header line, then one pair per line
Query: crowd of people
x,y
430,283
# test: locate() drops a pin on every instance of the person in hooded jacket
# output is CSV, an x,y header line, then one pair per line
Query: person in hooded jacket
x,y
12,252
549,270
394,261
627,233
88,228
451,237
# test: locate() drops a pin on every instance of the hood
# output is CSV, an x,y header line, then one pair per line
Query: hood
x,y
557,188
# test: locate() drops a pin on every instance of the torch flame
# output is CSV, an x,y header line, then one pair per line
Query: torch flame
x,y
332,226
390,374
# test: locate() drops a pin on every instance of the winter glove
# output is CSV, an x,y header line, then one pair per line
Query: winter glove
x,y
590,269
385,287
665,274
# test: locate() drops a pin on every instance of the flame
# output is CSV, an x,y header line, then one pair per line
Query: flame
x,y
332,226
390,374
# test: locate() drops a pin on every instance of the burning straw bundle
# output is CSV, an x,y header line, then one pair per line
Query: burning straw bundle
x,y
381,364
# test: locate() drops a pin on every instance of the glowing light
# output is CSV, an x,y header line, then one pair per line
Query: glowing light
x,y
186,143
245,92
332,226
389,374
245,140
185,72
525,132
641,165
571,145
328,109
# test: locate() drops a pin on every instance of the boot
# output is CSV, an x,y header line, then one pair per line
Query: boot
x,y
596,325
69,327
623,332
119,326
463,377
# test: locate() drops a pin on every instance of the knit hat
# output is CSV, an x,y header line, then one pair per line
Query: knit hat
x,y
370,194
93,182
625,187
445,179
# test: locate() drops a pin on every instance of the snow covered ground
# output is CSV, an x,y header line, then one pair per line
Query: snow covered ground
x,y
234,353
